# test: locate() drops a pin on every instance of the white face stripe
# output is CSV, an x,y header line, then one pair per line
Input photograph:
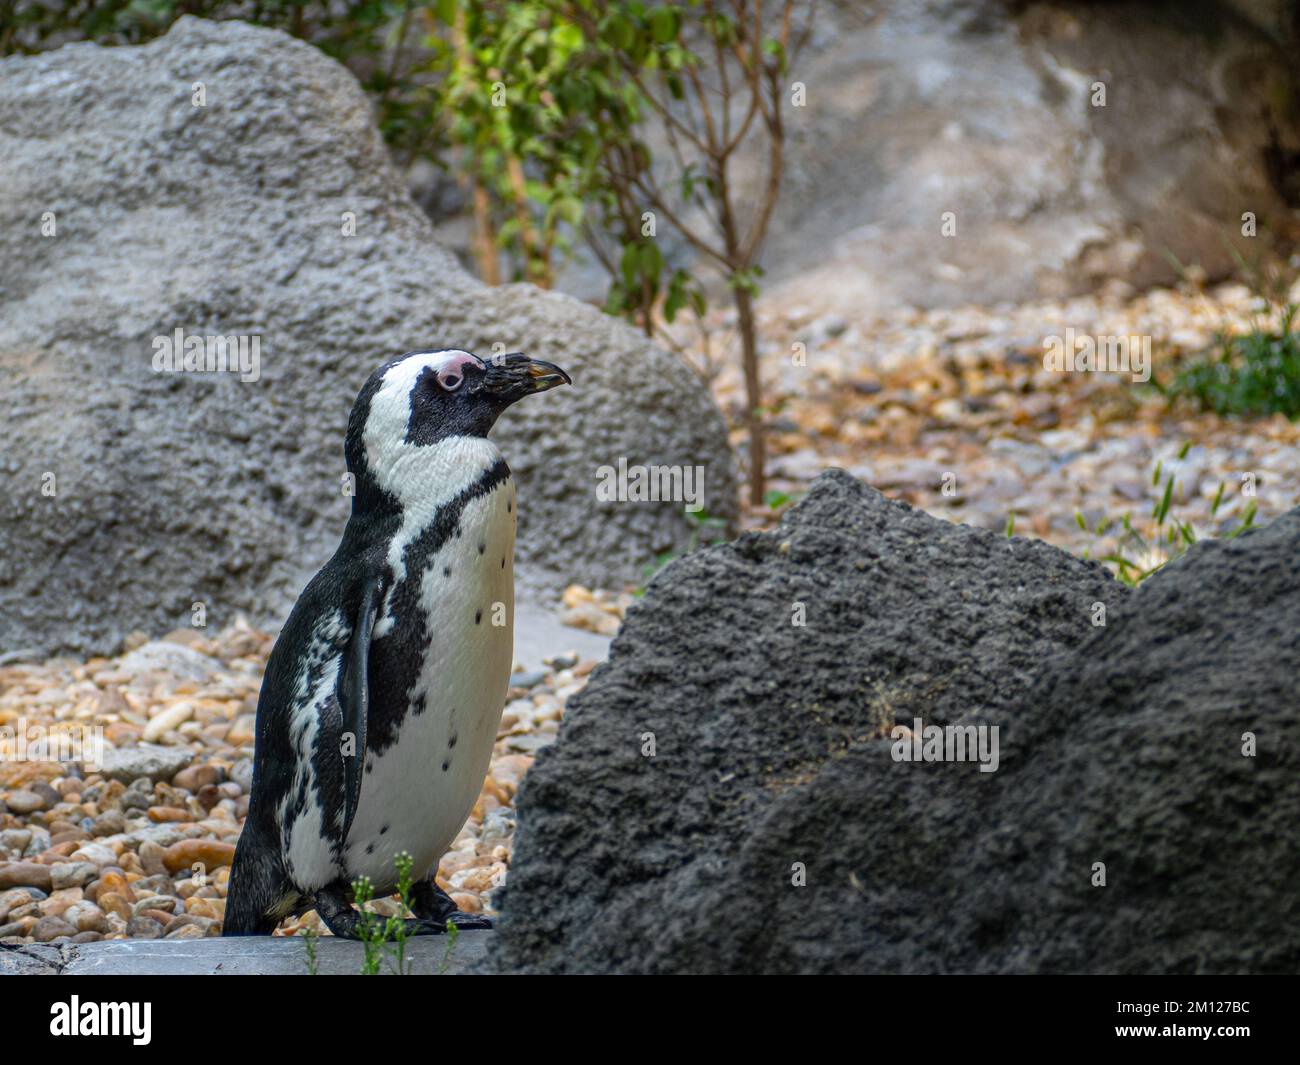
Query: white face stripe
x,y
391,405
390,458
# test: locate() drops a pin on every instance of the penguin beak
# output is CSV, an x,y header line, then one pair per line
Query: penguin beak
x,y
545,375
513,376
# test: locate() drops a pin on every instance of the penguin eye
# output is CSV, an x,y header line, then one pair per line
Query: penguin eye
x,y
450,379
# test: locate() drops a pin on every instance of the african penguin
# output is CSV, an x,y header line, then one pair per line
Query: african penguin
x,y
382,696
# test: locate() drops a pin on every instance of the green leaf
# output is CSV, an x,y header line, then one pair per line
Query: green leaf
x,y
652,261
663,24
619,31
630,265
676,297
776,50
688,182
566,36
1162,508
616,300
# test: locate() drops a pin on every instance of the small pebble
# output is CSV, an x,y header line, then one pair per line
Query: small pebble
x,y
24,874
24,802
49,928
71,874
144,928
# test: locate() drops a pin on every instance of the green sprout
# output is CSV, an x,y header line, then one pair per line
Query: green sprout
x,y
1141,552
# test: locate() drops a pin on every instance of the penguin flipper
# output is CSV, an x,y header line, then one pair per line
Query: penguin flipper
x,y
354,696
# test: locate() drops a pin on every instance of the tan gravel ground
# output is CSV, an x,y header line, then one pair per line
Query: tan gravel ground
x,y
953,411
142,848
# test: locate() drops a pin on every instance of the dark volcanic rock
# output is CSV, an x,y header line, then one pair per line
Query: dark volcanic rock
x,y
127,212
1120,745
1139,762
768,750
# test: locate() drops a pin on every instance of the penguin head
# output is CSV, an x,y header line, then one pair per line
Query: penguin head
x,y
425,397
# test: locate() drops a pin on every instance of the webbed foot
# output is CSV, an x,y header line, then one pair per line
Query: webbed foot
x,y
346,922
435,908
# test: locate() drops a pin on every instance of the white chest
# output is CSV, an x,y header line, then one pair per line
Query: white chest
x,y
417,794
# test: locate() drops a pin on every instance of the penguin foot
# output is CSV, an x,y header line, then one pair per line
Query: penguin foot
x,y
348,925
459,918
335,909
435,908
345,927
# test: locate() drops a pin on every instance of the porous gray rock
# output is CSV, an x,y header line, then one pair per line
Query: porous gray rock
x,y
1118,744
1167,750
130,494
903,615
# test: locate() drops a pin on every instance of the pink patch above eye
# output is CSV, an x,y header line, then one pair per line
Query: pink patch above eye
x,y
452,372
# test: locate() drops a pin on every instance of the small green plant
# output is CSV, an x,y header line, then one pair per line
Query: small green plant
x,y
1142,552
1251,376
706,530
1256,374
453,934
776,500
310,936
382,938
376,934
367,932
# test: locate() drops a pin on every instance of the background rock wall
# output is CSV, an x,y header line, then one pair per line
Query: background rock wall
x,y
983,108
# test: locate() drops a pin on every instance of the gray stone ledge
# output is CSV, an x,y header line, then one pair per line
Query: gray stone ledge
x,y
251,956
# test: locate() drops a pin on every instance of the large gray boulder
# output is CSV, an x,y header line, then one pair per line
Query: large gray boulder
x,y
985,109
228,219
1119,743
